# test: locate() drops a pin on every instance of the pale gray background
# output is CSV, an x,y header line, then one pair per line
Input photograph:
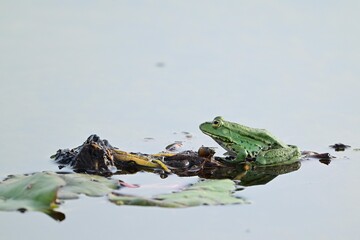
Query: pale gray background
x,y
72,68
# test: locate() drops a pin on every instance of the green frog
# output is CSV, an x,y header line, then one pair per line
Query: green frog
x,y
244,143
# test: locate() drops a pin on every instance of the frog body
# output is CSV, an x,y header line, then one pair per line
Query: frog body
x,y
244,142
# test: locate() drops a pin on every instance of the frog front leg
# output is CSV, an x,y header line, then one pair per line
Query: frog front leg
x,y
279,155
241,154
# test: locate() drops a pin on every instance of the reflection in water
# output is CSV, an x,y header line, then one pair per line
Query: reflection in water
x,y
98,157
26,191
58,216
250,174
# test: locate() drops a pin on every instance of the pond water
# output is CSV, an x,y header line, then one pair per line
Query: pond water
x,y
128,70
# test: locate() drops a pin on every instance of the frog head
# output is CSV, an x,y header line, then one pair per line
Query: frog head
x,y
219,130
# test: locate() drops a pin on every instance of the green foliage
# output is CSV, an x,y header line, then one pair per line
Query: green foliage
x,y
37,192
40,191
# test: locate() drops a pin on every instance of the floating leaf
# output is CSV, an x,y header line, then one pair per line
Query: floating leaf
x,y
209,192
35,192
39,191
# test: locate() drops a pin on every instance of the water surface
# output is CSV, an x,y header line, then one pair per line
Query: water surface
x,y
129,70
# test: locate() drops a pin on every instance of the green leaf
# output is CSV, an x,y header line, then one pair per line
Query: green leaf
x,y
35,192
209,192
39,191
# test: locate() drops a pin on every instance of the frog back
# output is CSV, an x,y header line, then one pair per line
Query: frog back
x,y
258,135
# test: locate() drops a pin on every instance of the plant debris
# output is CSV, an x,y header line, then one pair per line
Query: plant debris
x,y
339,146
45,191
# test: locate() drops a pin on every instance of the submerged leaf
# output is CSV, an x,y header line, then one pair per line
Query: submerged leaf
x,y
90,185
209,192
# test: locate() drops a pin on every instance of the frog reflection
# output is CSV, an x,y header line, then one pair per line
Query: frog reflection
x,y
203,164
248,174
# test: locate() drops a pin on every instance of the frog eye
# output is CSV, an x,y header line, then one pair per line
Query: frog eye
x,y
216,123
